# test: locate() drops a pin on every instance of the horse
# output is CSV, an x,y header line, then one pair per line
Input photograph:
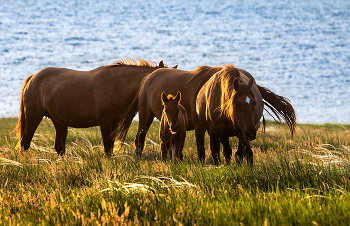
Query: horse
x,y
80,99
190,83
229,104
173,126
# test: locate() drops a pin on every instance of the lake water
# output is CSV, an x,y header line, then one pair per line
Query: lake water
x,y
299,49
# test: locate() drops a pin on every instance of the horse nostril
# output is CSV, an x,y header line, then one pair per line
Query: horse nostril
x,y
173,128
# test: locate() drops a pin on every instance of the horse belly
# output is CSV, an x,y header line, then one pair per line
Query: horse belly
x,y
72,111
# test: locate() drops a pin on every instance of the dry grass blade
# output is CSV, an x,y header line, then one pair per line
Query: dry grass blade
x,y
163,182
171,181
326,153
152,142
4,161
123,156
315,196
42,149
138,187
39,160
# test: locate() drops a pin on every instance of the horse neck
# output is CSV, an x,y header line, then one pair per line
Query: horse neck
x,y
201,77
182,118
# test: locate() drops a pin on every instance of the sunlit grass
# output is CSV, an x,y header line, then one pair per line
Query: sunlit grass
x,y
304,181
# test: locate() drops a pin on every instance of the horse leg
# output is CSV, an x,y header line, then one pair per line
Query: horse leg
x,y
31,124
165,144
239,155
214,146
144,124
227,148
181,145
176,146
108,141
164,135
244,151
61,135
249,154
199,133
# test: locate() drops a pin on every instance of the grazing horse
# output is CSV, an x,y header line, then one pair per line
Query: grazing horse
x,y
80,99
229,104
190,83
173,126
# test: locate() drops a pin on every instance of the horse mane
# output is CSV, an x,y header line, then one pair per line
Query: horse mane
x,y
204,73
140,63
225,77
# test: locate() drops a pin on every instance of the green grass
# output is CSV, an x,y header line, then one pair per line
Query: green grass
x,y
304,181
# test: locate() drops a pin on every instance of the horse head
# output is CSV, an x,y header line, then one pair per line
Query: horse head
x,y
244,108
162,65
171,110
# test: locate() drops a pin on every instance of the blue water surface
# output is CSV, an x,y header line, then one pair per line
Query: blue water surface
x,y
299,49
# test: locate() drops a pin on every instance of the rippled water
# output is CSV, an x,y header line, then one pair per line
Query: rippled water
x,y
298,49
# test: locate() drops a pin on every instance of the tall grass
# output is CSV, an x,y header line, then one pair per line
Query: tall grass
x,y
299,182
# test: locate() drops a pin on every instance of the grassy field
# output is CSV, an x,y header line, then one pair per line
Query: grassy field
x,y
304,181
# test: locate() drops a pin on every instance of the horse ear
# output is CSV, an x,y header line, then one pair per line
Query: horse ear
x,y
236,84
164,98
250,83
178,97
161,64
176,66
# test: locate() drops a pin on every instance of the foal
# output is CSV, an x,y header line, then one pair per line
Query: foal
x,y
173,126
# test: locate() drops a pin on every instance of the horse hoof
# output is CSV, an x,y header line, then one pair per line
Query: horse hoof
x,y
138,152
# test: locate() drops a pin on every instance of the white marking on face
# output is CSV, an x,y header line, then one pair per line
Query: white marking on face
x,y
247,100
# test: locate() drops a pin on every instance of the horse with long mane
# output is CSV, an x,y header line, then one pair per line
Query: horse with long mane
x,y
80,99
230,104
219,88
173,126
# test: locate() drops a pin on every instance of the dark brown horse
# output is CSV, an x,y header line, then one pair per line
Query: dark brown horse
x,y
173,126
80,99
190,83
229,104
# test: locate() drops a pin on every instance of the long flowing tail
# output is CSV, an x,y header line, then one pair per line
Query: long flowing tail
x,y
20,127
281,107
124,124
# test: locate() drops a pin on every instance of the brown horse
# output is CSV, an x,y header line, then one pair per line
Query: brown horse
x,y
149,105
80,99
189,83
173,126
229,104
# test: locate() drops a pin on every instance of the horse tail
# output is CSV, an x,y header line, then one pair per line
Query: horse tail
x,y
264,125
20,127
281,108
123,125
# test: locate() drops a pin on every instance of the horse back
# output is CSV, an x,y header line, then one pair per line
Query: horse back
x,y
169,81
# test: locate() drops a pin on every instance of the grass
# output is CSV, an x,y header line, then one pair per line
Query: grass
x,y
304,181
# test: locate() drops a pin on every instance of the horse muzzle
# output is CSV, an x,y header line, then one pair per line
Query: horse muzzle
x,y
250,135
174,128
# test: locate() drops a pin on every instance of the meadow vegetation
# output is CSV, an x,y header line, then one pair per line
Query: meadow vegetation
x,y
304,181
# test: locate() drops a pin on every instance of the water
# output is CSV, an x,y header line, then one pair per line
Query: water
x,y
298,49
